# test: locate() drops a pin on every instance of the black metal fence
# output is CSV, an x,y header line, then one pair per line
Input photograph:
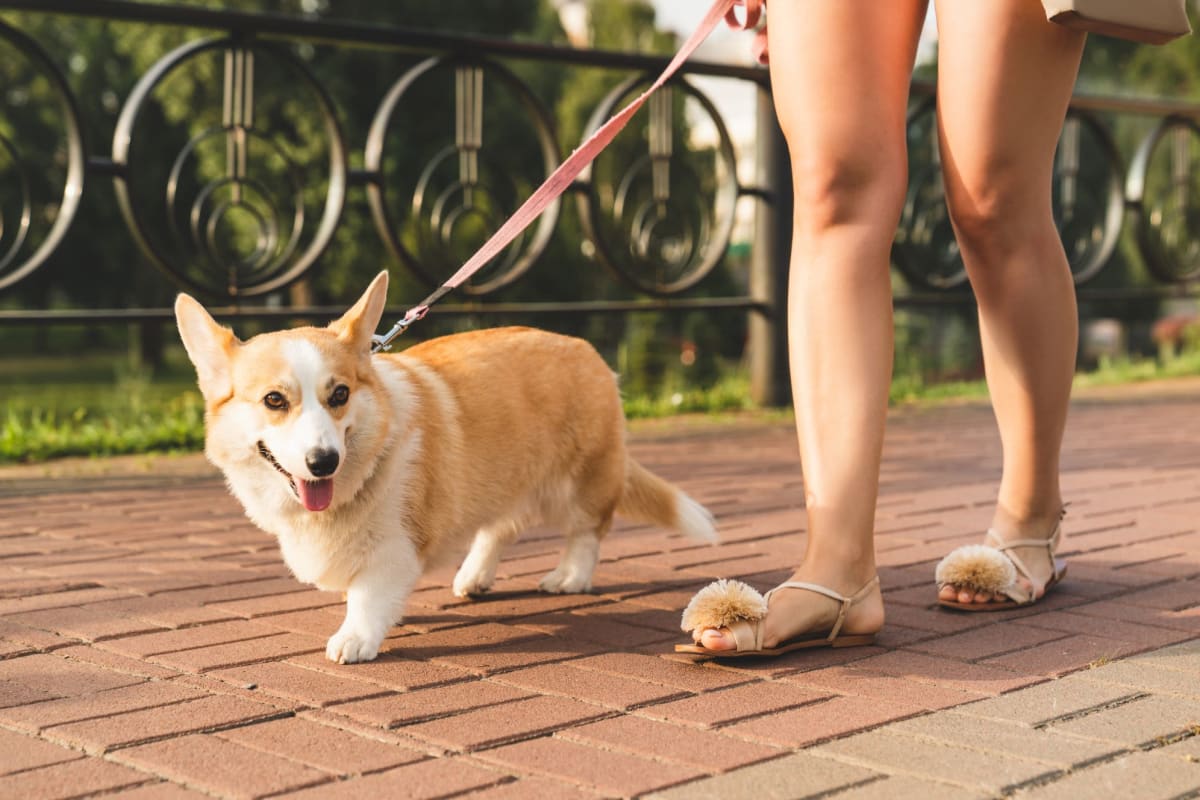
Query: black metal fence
x,y
262,169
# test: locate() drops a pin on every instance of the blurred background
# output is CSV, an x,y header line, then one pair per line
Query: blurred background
x,y
273,164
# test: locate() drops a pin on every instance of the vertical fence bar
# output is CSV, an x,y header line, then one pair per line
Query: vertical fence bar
x,y
767,341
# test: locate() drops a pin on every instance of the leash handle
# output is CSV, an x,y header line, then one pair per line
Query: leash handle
x,y
562,177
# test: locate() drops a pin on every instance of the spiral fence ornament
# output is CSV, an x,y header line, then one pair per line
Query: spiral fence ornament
x,y
463,193
230,215
1164,190
1087,202
661,214
925,250
38,199
1088,194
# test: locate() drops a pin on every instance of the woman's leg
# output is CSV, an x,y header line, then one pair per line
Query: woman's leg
x,y
1005,76
840,71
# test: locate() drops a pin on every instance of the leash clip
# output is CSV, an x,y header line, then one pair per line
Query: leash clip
x,y
381,343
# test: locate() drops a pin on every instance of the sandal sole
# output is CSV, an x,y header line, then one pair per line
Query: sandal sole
x,y
857,640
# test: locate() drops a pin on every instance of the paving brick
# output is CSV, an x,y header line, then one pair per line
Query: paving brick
x,y
1037,705
172,641
249,651
809,724
710,751
611,633
39,716
388,671
679,675
161,791
287,680
1138,722
609,772
85,776
1140,635
59,677
594,687
406,708
83,623
885,751
904,786
253,607
1146,776
1146,676
1065,655
515,604
335,751
26,752
86,654
721,707
309,622
14,694
531,789
133,727
16,634
980,678
1010,738
220,766
1187,748
795,776
441,777
73,597
870,683
991,640
166,611
495,725
1184,657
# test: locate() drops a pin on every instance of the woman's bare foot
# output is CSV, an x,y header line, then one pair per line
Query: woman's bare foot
x,y
1041,568
794,612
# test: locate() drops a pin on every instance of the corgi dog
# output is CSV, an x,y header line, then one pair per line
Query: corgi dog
x,y
367,467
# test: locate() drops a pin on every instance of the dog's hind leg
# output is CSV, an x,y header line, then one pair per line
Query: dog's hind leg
x,y
574,571
478,570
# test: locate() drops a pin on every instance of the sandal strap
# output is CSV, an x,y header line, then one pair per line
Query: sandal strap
x,y
846,602
1006,546
747,634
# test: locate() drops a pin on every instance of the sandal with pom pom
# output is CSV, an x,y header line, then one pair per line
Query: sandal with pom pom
x,y
738,607
995,569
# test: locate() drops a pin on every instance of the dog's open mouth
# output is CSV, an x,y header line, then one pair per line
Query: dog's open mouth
x,y
313,495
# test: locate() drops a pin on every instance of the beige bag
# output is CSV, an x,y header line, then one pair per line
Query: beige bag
x,y
1147,21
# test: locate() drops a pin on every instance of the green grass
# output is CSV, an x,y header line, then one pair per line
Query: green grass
x,y
53,408
51,411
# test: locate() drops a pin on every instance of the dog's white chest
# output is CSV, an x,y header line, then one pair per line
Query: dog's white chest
x,y
314,559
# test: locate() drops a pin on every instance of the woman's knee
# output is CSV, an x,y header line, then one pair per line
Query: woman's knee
x,y
862,187
996,208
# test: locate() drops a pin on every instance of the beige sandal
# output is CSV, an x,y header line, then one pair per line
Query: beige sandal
x,y
994,570
741,609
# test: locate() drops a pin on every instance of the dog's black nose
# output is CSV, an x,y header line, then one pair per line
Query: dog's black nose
x,y
321,462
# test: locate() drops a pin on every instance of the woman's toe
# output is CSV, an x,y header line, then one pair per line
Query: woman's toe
x,y
717,639
948,592
966,596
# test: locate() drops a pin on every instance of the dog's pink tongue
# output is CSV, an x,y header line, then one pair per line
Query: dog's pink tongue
x,y
315,495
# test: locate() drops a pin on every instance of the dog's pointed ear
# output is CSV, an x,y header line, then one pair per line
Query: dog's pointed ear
x,y
359,324
210,347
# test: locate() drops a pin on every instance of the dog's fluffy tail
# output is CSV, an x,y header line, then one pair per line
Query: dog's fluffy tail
x,y
649,498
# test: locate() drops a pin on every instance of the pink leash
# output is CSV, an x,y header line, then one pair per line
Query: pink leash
x,y
560,180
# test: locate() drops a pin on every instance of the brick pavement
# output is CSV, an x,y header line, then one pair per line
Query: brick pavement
x,y
153,645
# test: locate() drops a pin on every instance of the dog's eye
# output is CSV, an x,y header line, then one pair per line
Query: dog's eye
x,y
341,394
275,401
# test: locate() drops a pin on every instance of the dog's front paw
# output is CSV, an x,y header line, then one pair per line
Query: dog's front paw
x,y
351,646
